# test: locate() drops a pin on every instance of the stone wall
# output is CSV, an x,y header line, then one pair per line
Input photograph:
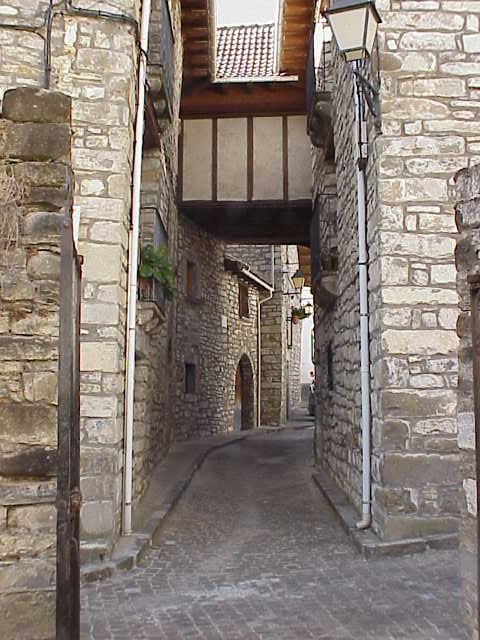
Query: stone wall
x,y
280,362
35,143
468,263
327,315
429,63
258,256
337,326
94,60
210,335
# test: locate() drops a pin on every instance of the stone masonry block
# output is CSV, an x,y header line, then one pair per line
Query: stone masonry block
x,y
44,265
17,425
39,624
97,518
398,527
41,174
28,573
34,141
413,470
41,227
28,104
39,517
418,403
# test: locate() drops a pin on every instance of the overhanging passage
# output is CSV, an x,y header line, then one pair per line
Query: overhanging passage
x,y
268,222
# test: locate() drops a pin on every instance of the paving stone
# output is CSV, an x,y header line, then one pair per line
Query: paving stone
x,y
253,551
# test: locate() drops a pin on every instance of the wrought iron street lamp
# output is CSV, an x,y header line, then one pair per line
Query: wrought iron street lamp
x,y
354,25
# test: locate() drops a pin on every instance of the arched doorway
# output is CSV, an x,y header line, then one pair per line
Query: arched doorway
x,y
244,411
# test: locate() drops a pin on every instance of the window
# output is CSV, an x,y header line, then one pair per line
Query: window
x,y
192,281
243,308
330,366
190,378
153,233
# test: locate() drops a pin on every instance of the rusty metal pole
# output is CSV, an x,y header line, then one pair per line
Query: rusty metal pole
x,y
474,282
68,444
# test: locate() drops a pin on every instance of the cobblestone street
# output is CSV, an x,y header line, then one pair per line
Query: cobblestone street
x,y
254,551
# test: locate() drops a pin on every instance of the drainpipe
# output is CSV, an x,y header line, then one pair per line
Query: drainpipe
x,y
366,520
259,334
133,242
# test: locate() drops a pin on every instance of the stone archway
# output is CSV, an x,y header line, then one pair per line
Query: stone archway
x,y
244,411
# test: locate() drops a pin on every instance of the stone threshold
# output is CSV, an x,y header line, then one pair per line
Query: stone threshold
x,y
367,542
170,480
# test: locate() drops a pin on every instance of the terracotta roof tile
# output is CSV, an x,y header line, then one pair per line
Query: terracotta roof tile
x,y
245,51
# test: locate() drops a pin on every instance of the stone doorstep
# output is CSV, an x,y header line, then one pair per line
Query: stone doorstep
x,y
130,549
367,542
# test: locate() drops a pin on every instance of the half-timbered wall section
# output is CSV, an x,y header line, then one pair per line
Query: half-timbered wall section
x,y
246,159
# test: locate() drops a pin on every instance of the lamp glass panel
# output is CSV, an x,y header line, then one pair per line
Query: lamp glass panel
x,y
371,30
298,280
348,28
355,54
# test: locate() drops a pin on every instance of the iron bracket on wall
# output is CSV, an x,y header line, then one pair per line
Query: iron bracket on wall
x,y
372,97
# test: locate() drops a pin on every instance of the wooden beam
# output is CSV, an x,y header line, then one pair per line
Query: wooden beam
x,y
267,222
201,98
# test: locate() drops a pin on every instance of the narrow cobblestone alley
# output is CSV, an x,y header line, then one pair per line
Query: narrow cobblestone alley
x,y
253,551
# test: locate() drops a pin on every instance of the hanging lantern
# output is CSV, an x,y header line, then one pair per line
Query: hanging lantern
x,y
354,24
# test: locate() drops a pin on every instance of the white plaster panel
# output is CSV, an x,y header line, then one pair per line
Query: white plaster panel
x,y
197,160
267,159
299,159
232,159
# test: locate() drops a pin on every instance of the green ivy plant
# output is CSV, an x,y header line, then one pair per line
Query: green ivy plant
x,y
154,264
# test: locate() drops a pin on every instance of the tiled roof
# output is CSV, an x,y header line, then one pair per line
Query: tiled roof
x,y
245,51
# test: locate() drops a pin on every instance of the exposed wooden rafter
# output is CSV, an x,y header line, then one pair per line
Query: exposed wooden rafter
x,y
296,30
196,40
202,97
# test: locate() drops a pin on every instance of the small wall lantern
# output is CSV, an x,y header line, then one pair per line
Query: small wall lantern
x,y
298,280
354,25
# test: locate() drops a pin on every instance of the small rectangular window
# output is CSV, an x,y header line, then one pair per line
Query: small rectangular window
x,y
330,366
243,308
190,378
192,281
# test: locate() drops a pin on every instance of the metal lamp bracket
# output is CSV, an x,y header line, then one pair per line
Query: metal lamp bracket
x,y
372,97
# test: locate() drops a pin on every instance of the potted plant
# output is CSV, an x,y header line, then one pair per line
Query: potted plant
x,y
154,265
300,313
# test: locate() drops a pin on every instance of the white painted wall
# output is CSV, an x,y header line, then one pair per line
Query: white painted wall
x,y
300,173
267,159
232,159
197,160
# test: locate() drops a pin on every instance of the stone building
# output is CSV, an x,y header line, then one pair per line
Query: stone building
x,y
209,331
35,163
428,63
235,227
468,221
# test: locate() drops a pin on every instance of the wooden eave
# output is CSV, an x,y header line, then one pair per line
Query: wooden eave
x,y
206,99
304,262
197,46
295,37
203,98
